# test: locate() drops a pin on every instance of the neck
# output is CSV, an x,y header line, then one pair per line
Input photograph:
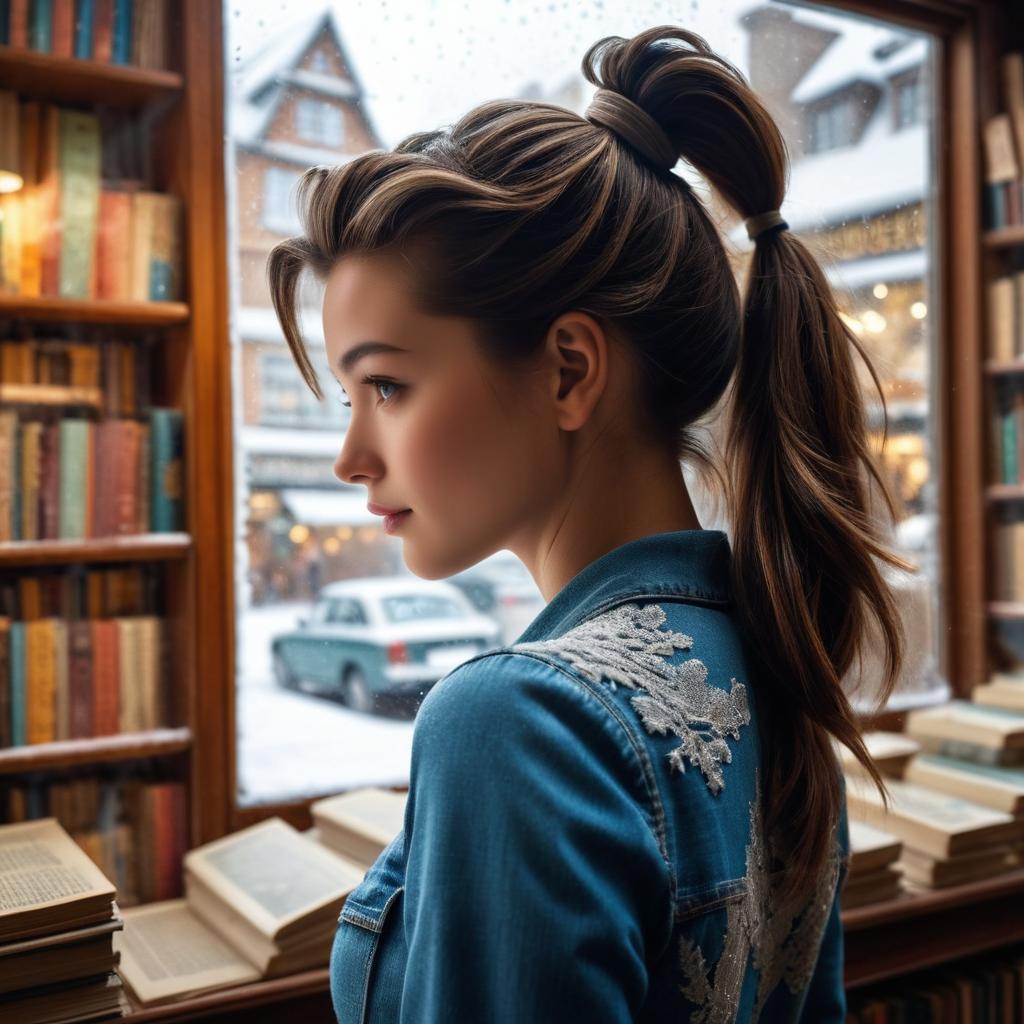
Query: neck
x,y
610,501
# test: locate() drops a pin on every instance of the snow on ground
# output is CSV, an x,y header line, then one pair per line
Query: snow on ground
x,y
295,744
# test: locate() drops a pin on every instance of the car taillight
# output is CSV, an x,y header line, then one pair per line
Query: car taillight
x,y
398,653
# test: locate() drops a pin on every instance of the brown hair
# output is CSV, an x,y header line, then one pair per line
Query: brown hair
x,y
523,210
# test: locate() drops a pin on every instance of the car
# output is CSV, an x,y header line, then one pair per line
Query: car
x,y
381,636
501,586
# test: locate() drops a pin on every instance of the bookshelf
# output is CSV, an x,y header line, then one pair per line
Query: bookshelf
x,y
175,109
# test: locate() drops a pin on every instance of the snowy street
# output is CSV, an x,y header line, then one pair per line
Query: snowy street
x,y
296,744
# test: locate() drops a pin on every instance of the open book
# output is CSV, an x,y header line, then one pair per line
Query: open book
x,y
359,824
260,902
58,920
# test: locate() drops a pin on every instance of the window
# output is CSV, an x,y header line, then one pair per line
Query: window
x,y
283,402
317,121
279,211
860,193
414,607
831,126
320,63
346,612
907,97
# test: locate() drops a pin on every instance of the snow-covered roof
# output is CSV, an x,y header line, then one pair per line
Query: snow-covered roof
x,y
851,55
259,84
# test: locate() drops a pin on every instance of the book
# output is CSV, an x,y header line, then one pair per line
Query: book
x,y
938,872
889,750
962,721
258,903
999,788
360,824
930,821
871,849
1001,691
49,885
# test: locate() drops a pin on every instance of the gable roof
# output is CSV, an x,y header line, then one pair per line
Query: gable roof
x,y
259,84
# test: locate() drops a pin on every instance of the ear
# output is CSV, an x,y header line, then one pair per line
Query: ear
x,y
577,350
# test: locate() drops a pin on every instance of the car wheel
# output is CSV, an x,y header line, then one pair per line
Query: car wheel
x,y
283,674
356,692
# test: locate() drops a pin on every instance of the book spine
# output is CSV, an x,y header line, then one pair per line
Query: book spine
x,y
84,29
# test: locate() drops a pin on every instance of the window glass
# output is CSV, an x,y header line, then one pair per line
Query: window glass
x,y
855,102
411,607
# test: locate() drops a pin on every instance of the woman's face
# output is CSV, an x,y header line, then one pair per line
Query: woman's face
x,y
471,449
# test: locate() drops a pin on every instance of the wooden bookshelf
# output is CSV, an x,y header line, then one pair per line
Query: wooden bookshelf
x,y
179,109
94,750
49,308
73,81
138,547
892,938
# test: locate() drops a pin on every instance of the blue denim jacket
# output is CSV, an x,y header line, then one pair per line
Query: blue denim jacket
x,y
582,834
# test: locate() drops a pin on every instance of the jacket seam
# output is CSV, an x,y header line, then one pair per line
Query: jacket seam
x,y
655,806
612,602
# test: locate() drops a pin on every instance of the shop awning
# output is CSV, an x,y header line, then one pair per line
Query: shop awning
x,y
328,508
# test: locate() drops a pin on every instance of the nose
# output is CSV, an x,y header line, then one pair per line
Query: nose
x,y
356,463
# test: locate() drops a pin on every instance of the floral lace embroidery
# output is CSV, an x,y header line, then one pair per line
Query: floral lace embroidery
x,y
627,645
758,924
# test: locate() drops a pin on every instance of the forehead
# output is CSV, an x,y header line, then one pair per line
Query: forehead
x,y
372,298
363,292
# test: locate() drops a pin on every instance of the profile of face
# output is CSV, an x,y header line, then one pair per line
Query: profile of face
x,y
479,454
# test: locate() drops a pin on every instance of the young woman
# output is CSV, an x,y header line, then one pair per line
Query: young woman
x,y
635,812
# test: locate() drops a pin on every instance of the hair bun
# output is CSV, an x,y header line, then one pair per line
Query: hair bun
x,y
634,125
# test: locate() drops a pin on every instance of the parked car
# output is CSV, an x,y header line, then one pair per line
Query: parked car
x,y
501,586
381,635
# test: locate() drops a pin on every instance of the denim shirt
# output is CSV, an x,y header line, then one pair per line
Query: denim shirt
x,y
582,835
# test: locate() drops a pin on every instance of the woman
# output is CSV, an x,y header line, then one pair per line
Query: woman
x,y
635,812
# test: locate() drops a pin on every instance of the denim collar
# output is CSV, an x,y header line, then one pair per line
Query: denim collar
x,y
693,564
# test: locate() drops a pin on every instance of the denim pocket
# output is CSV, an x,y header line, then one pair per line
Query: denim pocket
x,y
360,926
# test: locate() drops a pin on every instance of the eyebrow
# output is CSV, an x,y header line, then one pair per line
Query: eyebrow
x,y
365,348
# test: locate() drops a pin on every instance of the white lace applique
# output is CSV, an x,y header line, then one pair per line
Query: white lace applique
x,y
627,645
757,924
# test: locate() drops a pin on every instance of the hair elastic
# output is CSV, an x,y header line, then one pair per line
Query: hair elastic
x,y
634,125
763,222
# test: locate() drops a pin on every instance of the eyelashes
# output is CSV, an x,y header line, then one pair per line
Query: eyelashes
x,y
377,381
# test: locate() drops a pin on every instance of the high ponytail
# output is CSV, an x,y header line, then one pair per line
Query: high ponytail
x,y
522,210
807,549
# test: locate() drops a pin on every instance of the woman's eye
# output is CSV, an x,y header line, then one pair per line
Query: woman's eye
x,y
377,382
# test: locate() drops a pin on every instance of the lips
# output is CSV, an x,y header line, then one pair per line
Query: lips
x,y
383,510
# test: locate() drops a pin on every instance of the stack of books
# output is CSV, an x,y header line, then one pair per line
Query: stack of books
x,y
359,824
873,874
946,840
58,921
970,731
258,903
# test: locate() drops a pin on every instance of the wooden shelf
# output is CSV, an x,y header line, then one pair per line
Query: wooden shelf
x,y
1003,238
1004,492
94,750
71,80
919,930
1005,609
136,547
94,311
1004,368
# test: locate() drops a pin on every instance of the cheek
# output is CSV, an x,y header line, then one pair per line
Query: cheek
x,y
465,451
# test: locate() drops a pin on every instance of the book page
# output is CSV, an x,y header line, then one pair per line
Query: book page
x,y
42,866
272,874
374,812
167,951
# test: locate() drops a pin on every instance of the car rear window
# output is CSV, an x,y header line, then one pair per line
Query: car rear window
x,y
408,607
